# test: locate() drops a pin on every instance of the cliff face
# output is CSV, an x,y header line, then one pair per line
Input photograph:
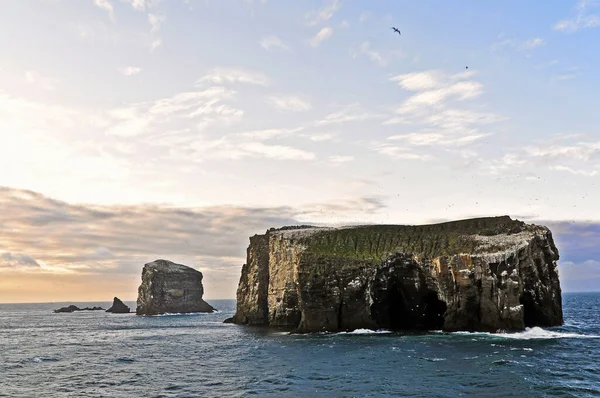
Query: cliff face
x,y
483,274
170,288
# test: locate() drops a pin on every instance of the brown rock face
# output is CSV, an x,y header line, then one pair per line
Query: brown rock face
x,y
170,288
483,274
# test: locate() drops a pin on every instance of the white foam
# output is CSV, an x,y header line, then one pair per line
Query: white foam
x,y
534,333
541,334
184,313
366,331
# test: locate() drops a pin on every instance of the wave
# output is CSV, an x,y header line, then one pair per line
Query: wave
x,y
366,331
185,313
534,333
537,333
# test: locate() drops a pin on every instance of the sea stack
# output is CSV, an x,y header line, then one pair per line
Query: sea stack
x,y
484,274
118,307
168,287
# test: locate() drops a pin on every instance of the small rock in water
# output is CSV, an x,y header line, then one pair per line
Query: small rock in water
x,y
118,307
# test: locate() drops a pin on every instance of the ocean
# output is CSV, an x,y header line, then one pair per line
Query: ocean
x,y
95,354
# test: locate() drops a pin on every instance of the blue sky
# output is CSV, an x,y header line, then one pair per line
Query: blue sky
x,y
274,112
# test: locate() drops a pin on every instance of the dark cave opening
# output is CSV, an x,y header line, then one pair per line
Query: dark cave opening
x,y
529,313
406,308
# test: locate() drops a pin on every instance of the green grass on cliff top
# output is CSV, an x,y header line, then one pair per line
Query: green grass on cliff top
x,y
374,243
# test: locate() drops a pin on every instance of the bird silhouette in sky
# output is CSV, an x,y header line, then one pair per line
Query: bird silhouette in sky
x,y
396,30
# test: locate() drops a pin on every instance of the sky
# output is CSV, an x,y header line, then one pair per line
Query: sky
x,y
132,130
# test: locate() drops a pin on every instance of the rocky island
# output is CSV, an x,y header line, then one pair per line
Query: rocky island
x,y
484,274
168,287
73,308
118,307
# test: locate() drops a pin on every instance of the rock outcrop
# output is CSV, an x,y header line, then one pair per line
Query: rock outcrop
x,y
484,274
73,308
118,307
170,288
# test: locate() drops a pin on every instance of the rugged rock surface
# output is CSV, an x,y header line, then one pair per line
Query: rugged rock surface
x,y
484,274
118,307
73,308
170,288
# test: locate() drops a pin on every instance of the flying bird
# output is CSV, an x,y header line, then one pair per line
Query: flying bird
x,y
396,30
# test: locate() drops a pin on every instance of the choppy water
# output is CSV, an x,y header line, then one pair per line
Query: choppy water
x,y
94,354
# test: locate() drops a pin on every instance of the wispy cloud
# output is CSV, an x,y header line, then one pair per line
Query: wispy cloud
x,y
107,6
17,260
44,82
364,16
155,44
234,75
341,159
437,113
324,14
202,107
350,113
324,34
289,103
139,5
583,18
155,22
433,88
521,45
271,42
375,56
129,70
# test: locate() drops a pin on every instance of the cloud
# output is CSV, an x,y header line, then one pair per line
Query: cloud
x,y
234,75
107,6
120,239
17,260
38,80
433,88
564,154
350,113
587,173
139,5
155,22
289,103
364,16
431,138
129,70
278,152
535,42
375,56
438,112
262,135
521,45
155,44
552,150
582,19
203,107
270,42
324,14
400,152
341,159
324,34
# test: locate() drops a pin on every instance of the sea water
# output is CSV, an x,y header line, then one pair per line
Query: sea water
x,y
96,354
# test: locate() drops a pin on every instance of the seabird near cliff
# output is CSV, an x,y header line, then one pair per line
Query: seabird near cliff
x,y
396,30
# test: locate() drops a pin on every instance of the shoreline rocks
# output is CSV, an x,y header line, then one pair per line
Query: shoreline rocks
x,y
73,308
483,274
168,287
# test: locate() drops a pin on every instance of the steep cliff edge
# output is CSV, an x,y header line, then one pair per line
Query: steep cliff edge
x,y
168,287
484,274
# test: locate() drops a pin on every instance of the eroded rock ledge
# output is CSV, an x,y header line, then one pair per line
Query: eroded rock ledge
x,y
484,274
